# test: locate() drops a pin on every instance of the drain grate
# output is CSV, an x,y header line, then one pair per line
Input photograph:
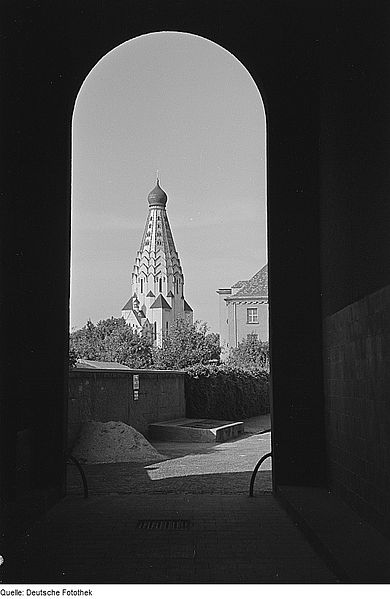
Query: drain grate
x,y
164,524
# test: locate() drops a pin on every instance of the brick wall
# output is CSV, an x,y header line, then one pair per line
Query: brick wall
x,y
357,396
105,395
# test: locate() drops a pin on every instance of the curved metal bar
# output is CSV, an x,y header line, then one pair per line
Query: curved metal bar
x,y
80,469
267,455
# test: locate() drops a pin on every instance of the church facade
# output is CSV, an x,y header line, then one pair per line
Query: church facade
x,y
243,311
157,285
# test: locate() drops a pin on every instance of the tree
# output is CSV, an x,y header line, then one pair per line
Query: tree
x,y
251,354
185,345
111,340
72,358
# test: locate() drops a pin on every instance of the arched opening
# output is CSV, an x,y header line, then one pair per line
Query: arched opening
x,y
308,215
185,106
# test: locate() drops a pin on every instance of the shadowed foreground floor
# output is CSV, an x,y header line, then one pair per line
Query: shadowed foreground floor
x,y
229,539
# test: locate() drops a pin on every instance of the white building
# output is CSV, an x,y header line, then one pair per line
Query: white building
x,y
157,280
243,311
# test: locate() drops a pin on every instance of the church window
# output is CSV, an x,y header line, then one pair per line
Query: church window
x,y
160,285
155,330
167,327
142,285
251,316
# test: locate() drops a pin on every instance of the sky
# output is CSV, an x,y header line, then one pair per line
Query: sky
x,y
184,106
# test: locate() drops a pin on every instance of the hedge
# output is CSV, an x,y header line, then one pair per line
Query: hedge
x,y
226,393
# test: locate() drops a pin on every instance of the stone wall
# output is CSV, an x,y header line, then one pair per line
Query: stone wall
x,y
357,384
103,395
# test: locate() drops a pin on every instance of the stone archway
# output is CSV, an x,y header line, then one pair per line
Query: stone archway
x,y
50,55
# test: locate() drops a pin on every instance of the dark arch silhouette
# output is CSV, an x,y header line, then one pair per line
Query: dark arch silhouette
x,y
320,70
58,53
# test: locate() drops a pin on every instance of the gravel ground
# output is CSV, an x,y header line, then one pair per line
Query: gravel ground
x,y
190,468
112,442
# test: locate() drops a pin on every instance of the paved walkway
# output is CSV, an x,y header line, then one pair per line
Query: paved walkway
x,y
190,468
227,537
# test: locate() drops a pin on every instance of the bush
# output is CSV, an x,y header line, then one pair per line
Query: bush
x,y
185,345
251,354
72,358
226,393
110,340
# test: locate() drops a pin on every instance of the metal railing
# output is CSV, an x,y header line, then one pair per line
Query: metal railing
x,y
265,456
69,458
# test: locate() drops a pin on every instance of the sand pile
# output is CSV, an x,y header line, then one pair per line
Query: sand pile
x,y
104,442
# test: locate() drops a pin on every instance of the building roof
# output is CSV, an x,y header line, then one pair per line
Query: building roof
x,y
239,284
187,307
150,294
140,316
157,256
160,302
157,197
128,305
256,286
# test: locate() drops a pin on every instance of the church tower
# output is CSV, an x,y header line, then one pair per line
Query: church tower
x,y
157,279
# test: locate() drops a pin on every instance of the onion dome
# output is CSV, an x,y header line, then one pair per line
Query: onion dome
x,y
157,196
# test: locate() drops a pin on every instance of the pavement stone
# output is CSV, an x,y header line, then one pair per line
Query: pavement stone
x,y
190,468
259,545
232,539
